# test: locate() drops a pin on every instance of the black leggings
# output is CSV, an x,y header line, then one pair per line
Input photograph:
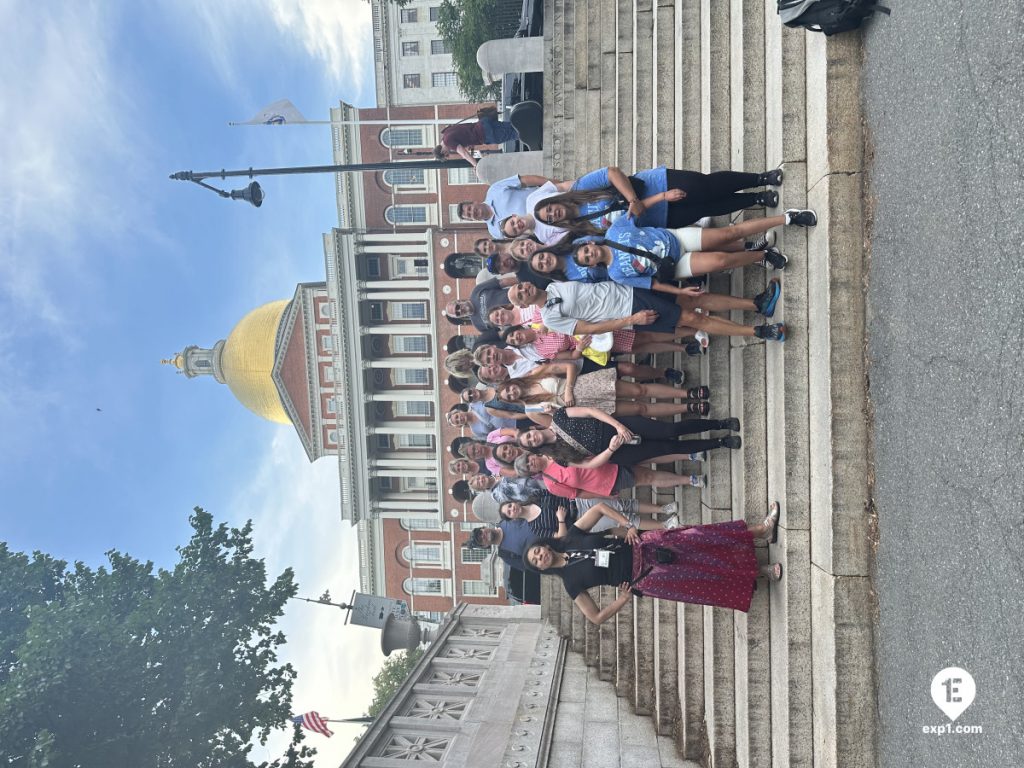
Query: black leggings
x,y
667,430
629,455
709,194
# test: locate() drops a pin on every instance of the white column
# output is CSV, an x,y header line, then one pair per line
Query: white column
x,y
431,505
394,237
403,428
393,295
398,284
421,465
398,329
415,247
394,396
400,362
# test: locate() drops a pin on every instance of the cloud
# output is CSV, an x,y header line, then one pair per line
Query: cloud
x,y
295,510
336,33
66,125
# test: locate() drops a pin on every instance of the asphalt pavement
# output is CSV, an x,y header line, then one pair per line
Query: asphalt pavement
x,y
944,101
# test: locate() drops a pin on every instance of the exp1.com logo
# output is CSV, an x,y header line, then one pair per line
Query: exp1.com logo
x,y
953,692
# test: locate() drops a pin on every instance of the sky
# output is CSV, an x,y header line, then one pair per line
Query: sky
x,y
107,266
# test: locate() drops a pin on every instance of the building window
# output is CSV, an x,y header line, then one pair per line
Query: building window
x,y
409,15
412,177
410,343
443,80
412,48
423,553
419,483
434,10
332,405
426,586
377,311
437,47
411,81
384,441
402,137
327,342
406,214
453,214
463,176
415,441
474,554
477,587
413,408
410,266
407,310
372,266
420,524
412,375
328,372
469,527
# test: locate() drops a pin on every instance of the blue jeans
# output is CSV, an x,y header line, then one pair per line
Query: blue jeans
x,y
497,132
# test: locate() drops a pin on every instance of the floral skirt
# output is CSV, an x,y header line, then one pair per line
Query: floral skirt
x,y
596,390
713,565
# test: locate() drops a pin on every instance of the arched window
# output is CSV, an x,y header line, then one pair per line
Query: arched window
x,y
402,137
406,214
424,586
423,553
410,177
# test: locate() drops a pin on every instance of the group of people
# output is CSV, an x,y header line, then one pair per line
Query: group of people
x,y
577,278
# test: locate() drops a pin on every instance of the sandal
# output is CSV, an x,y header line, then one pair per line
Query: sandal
x,y
703,408
772,522
776,572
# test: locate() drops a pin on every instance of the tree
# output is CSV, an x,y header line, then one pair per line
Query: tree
x,y
123,666
465,25
395,671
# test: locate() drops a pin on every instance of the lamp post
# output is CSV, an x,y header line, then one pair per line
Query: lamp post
x,y
254,192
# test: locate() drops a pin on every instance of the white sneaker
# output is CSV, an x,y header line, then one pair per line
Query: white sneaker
x,y
702,338
670,522
705,222
669,509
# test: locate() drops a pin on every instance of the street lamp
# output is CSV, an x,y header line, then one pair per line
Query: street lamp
x,y
254,193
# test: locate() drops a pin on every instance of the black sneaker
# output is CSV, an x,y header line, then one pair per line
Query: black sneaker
x,y
804,217
694,349
772,178
769,199
732,424
732,442
775,258
674,375
765,241
702,392
768,298
774,332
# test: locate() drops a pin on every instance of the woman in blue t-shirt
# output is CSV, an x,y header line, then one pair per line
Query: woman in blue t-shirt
x,y
640,256
658,197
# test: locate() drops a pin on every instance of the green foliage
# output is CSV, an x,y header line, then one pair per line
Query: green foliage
x,y
465,25
124,666
391,676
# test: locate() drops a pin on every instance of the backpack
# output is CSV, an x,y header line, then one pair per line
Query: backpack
x,y
828,16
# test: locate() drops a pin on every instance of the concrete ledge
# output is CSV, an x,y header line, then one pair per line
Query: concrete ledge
x,y
496,167
666,659
838,435
791,638
643,655
690,734
843,667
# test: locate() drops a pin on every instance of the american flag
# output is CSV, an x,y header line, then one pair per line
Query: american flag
x,y
313,722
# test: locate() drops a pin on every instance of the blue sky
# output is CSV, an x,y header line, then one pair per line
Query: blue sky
x,y
106,266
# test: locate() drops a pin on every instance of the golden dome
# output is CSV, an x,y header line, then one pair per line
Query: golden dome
x,y
248,360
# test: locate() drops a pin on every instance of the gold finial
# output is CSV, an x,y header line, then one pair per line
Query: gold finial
x,y
177,361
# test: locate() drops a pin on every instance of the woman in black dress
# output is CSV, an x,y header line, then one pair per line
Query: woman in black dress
x,y
702,564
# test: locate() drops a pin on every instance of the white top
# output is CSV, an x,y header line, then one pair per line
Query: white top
x,y
592,302
546,233
522,366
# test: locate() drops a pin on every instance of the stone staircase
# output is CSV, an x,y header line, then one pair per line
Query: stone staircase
x,y
714,85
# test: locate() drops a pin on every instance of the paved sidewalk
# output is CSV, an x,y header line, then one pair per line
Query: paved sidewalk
x,y
714,85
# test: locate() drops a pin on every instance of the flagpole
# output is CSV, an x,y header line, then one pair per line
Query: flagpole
x,y
364,720
421,121
350,168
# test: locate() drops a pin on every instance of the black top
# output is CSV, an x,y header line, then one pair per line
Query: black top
x,y
579,576
545,525
485,297
592,434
